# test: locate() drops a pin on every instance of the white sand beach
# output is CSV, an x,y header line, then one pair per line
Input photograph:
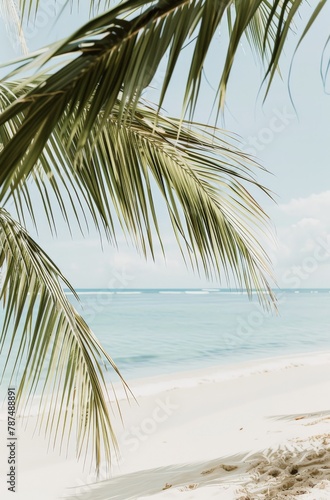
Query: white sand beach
x,y
252,431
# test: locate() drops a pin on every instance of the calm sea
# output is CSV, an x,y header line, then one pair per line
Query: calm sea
x,y
154,332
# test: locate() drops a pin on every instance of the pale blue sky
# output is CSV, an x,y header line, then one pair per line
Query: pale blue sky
x,y
293,146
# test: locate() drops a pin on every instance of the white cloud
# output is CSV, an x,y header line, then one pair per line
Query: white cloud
x,y
303,256
314,206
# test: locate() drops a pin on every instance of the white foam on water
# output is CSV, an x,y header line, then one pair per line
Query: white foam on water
x,y
91,293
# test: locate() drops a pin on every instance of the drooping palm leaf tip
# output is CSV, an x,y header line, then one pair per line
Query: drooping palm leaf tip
x,y
43,334
82,134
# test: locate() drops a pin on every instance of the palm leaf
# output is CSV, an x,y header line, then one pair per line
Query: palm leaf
x,y
286,11
119,51
43,333
202,178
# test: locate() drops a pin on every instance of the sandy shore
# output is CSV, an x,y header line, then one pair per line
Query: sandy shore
x,y
254,431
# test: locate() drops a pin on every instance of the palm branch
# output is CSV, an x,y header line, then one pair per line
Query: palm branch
x,y
201,177
118,53
43,334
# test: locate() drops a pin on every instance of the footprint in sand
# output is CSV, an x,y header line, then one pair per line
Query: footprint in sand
x,y
188,487
225,467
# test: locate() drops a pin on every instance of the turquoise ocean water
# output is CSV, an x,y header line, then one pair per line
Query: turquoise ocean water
x,y
155,332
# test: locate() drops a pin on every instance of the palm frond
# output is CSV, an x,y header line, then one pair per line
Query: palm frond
x,y
58,353
118,52
287,13
202,178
